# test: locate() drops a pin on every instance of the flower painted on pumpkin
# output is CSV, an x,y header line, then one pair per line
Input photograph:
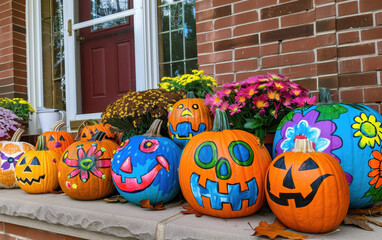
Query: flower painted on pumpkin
x,y
369,130
88,162
376,172
9,161
234,108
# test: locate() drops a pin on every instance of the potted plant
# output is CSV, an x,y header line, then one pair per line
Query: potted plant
x,y
19,106
9,123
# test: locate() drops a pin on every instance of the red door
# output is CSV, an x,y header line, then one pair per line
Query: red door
x,y
107,61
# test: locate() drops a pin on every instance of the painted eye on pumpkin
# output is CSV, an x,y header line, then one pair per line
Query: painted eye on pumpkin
x,y
195,106
51,138
35,161
206,155
84,135
149,145
280,163
62,138
180,106
309,164
22,162
241,153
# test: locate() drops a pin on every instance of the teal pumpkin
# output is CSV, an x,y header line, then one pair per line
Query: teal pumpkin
x,y
146,167
351,133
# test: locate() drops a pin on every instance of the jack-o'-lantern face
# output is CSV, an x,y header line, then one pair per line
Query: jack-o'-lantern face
x,y
89,131
224,176
58,141
189,117
147,168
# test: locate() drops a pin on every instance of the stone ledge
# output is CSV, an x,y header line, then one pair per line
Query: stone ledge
x,y
58,213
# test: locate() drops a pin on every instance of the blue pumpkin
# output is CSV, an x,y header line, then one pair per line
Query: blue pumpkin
x,y
146,167
351,133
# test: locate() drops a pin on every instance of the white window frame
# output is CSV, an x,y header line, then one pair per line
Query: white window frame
x,y
146,53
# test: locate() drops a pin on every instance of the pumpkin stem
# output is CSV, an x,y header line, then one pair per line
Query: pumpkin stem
x,y
98,136
190,94
17,135
303,146
58,125
221,121
325,96
154,130
41,143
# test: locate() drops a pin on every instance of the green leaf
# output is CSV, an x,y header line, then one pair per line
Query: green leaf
x,y
330,112
252,125
287,118
376,194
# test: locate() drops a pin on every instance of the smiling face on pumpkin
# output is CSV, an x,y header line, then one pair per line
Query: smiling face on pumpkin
x,y
144,167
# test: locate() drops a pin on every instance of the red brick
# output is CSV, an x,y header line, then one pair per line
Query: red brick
x,y
246,17
328,82
354,22
378,18
205,48
217,3
286,8
325,25
213,13
347,8
350,66
204,27
327,68
224,67
326,53
1,226
287,59
351,96
374,106
256,27
318,2
325,39
372,64
248,52
310,84
226,78
348,37
208,69
326,11
300,71
298,19
6,237
370,5
374,33
287,33
356,50
359,79
298,45
215,57
15,229
244,6
203,5
245,75
245,65
269,49
373,94
213,36
236,42
35,234
379,48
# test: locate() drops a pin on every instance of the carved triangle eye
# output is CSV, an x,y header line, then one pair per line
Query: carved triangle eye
x,y
309,164
280,163
51,138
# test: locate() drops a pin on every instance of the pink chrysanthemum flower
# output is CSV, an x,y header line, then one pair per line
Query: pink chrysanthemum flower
x,y
234,108
224,106
260,102
273,94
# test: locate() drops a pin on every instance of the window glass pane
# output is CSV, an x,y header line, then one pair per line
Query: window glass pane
x,y
190,30
164,40
163,22
191,65
176,16
177,45
101,8
178,69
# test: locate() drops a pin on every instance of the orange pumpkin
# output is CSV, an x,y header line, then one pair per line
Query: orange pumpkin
x,y
36,171
90,127
222,172
58,140
188,117
84,172
308,191
10,153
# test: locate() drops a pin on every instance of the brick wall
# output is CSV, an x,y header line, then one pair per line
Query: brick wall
x,y
318,43
13,75
12,232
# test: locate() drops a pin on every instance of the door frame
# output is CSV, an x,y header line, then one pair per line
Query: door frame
x,y
146,54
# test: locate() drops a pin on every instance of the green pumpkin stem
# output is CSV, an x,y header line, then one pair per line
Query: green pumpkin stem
x,y
58,125
41,143
154,130
98,136
303,146
221,121
325,96
17,135
190,94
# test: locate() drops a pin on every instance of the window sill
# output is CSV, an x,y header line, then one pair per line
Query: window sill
x,y
58,213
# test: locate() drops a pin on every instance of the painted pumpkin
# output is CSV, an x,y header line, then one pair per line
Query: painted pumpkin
x,y
57,140
307,190
351,133
90,127
84,171
188,117
36,171
10,153
222,172
146,167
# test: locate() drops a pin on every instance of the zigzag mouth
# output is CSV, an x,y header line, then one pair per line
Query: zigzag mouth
x,y
26,180
234,197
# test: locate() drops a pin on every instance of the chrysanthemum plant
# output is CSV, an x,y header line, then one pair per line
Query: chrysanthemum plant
x,y
19,106
197,82
259,103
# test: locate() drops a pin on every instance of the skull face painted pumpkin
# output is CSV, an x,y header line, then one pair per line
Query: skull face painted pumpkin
x,y
10,153
189,117
36,171
307,190
222,173
146,167
57,140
